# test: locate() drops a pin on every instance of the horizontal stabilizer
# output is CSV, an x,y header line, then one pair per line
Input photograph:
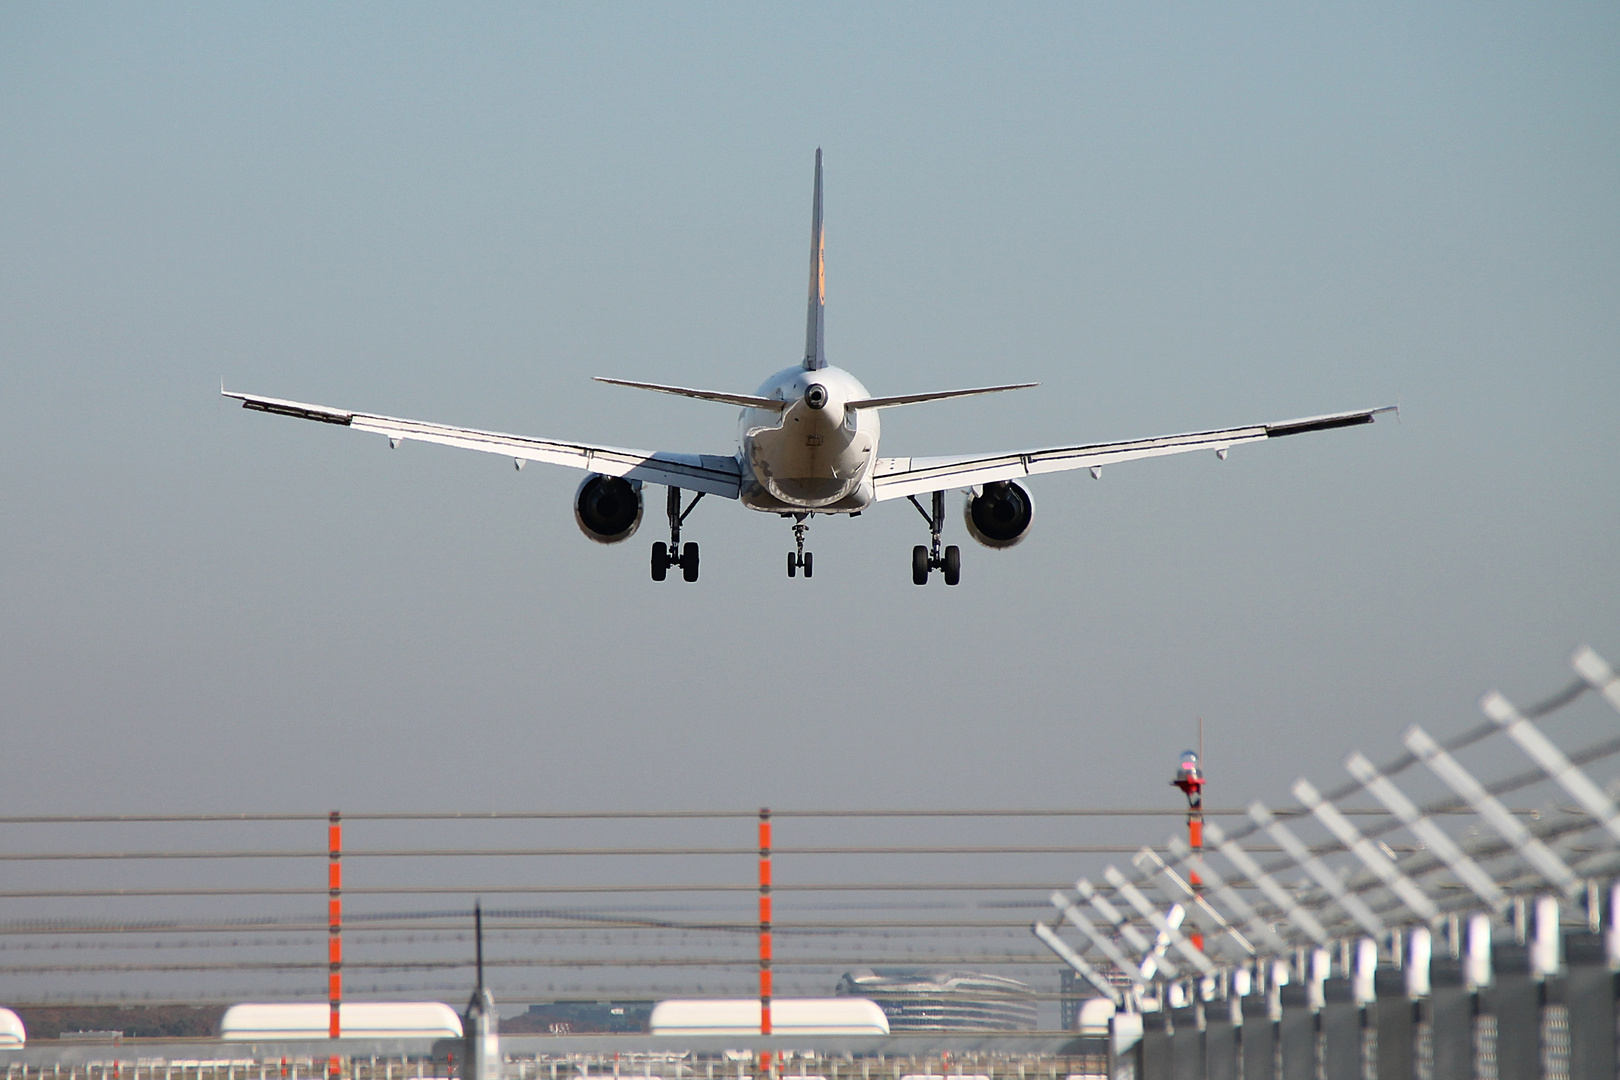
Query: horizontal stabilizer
x,y
747,401
912,399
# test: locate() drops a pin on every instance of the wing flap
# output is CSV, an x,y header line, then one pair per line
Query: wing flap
x,y
1322,423
712,474
318,413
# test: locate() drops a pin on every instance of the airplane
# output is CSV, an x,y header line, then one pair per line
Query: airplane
x,y
807,446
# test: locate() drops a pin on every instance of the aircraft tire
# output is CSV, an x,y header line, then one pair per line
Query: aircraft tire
x,y
807,564
919,565
660,561
689,562
953,565
793,565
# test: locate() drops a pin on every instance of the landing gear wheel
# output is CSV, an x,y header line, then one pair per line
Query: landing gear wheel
x,y
664,555
919,565
953,565
798,558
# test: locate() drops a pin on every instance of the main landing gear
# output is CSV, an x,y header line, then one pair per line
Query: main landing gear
x,y
798,558
673,554
927,559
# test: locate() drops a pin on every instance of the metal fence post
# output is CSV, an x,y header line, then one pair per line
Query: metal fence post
x,y
1395,1024
1449,1014
1187,1046
1157,1051
1122,1064
1220,1040
1514,1000
1259,1038
1589,991
1296,1032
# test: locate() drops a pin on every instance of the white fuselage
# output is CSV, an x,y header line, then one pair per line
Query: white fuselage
x,y
805,458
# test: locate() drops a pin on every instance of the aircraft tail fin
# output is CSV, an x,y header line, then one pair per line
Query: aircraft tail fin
x,y
815,356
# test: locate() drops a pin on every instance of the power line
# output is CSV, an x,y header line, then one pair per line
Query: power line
x,y
626,815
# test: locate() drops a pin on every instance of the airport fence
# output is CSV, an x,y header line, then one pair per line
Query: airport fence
x,y
1407,923
147,911
1486,946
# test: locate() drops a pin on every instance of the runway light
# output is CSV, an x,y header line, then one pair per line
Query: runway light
x,y
1190,779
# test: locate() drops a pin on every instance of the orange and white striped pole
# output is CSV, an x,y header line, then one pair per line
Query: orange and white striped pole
x,y
765,933
1195,840
334,930
1190,779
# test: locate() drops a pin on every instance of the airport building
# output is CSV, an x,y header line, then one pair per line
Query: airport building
x,y
921,999
582,1018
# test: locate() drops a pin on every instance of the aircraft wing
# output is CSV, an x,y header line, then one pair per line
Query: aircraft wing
x,y
896,478
694,472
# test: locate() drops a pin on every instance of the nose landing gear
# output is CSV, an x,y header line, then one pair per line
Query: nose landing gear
x,y
800,559
673,554
925,560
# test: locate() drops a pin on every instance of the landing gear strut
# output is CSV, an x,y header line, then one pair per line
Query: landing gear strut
x,y
798,558
927,559
666,556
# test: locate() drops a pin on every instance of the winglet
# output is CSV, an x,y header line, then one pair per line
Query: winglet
x,y
815,356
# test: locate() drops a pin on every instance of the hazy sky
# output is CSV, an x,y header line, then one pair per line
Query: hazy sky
x,y
1172,217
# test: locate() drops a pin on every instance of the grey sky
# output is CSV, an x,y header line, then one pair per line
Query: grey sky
x,y
1172,217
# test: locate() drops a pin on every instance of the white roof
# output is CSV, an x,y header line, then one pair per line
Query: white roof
x,y
358,1019
789,1016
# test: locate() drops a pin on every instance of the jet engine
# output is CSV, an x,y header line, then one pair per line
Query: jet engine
x,y
999,515
608,508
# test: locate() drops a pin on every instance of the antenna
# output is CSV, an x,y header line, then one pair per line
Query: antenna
x,y
478,936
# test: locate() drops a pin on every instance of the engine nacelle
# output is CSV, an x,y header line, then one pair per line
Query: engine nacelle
x,y
999,515
608,508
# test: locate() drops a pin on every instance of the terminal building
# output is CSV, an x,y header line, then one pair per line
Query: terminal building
x,y
923,999
582,1018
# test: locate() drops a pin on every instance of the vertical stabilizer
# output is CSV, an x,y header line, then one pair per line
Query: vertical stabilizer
x,y
815,356
481,1026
